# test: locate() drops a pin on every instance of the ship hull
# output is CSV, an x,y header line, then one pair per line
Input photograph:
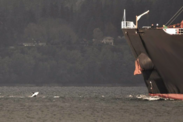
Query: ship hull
x,y
165,78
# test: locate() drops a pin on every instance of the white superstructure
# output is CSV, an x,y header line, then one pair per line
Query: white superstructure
x,y
174,31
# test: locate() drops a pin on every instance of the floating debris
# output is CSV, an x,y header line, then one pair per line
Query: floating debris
x,y
35,94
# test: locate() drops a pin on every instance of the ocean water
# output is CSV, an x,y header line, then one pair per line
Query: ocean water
x,y
85,104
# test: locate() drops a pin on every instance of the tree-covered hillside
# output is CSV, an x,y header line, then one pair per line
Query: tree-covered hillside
x,y
20,19
72,32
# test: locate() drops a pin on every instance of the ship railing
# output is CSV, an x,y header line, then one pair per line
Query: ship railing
x,y
174,31
146,27
127,24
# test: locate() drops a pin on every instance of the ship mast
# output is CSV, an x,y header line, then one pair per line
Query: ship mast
x,y
138,17
124,19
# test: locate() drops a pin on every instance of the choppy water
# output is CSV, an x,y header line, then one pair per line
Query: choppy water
x,y
85,104
90,92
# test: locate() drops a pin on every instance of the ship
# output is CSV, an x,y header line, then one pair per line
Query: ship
x,y
158,53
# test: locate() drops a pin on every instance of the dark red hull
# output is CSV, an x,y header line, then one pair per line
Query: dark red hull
x,y
166,54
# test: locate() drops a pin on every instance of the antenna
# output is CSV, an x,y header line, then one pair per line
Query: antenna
x,y
124,15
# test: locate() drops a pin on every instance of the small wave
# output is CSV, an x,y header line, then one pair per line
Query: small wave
x,y
16,96
56,97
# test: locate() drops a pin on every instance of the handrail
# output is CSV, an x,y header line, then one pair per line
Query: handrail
x,y
127,24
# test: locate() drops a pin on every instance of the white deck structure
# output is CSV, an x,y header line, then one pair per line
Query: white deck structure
x,y
174,31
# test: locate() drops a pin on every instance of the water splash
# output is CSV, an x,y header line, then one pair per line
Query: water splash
x,y
147,97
